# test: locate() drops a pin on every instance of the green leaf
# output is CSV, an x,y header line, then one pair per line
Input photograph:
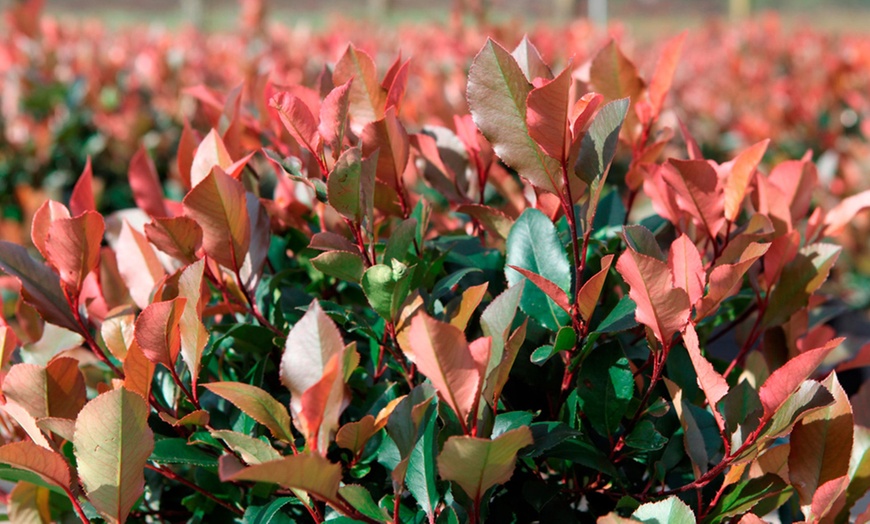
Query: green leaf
x,y
342,265
497,92
620,318
361,500
511,420
669,511
534,244
40,286
386,288
800,278
478,464
542,354
270,514
746,495
350,188
252,450
257,404
605,386
421,474
645,437
112,444
178,451
599,142
400,241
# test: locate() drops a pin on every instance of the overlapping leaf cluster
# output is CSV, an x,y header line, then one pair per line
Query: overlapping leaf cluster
x,y
552,310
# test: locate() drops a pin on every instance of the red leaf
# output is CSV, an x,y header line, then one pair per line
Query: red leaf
x,y
298,120
783,249
547,115
49,465
211,152
138,371
147,191
725,279
367,97
698,192
139,267
194,336
218,203
179,237
73,247
333,117
8,344
839,217
685,264
443,356
157,331
321,403
587,298
47,213
186,150
712,383
664,73
82,198
396,88
785,380
56,390
547,286
740,176
660,305
388,135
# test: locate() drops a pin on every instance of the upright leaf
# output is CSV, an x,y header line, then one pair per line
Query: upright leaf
x,y
333,117
158,333
179,237
530,61
478,464
145,183
599,143
82,197
547,115
443,356
534,245
194,336
699,192
298,120
587,297
664,72
350,188
388,137
112,444
219,205
367,98
139,266
211,153
497,93
740,178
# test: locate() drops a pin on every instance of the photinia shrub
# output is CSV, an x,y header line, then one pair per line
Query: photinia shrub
x,y
548,312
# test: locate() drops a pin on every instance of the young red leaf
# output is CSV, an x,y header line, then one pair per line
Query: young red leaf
x,y
530,61
298,120
795,180
684,261
194,336
367,97
321,406
157,331
138,371
739,178
839,217
478,464
187,145
211,153
112,444
82,197
310,345
48,464
307,472
587,297
179,237
469,301
139,267
615,76
257,404
726,278
664,73
8,344
40,286
145,183
783,249
398,82
547,115
333,117
497,93
388,136
821,444
699,192
218,203
73,247
56,390
785,380
47,213
547,286
442,355
354,435
712,383
660,305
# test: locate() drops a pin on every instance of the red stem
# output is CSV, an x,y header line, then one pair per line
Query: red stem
x,y
181,480
77,506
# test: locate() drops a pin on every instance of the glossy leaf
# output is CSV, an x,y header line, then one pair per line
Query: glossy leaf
x,y
342,265
112,445
712,383
139,266
599,143
547,116
740,178
307,472
298,120
145,183
193,334
785,380
56,390
211,153
257,404
687,268
179,237
82,197
366,97
669,511
350,188
698,191
158,332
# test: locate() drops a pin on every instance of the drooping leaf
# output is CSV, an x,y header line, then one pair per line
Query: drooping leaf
x,y
49,465
669,511
712,383
478,464
158,332
252,450
821,444
660,305
785,380
56,390
40,286
554,292
145,183
360,499
257,404
497,92
443,356
179,237
307,472
534,245
112,445
219,205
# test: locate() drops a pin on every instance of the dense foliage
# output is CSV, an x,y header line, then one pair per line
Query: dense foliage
x,y
426,292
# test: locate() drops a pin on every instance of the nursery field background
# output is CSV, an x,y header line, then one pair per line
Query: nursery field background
x,y
438,261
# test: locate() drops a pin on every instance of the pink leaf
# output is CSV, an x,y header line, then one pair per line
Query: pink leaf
x,y
211,152
684,261
157,331
712,383
664,73
785,380
138,266
547,115
82,198
698,192
587,297
333,117
740,176
147,191
547,286
179,237
839,217
298,120
73,248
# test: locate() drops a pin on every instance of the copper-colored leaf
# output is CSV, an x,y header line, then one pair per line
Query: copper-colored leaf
x,y
725,279
138,371
367,98
333,117
82,197
590,292
49,465
219,205
785,380
664,72
307,472
179,237
157,331
257,404
56,390
211,153
194,336
322,405
297,119
547,115
712,383
684,261
740,177
388,136
138,264
549,287
47,213
699,192
73,248
145,183
354,435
